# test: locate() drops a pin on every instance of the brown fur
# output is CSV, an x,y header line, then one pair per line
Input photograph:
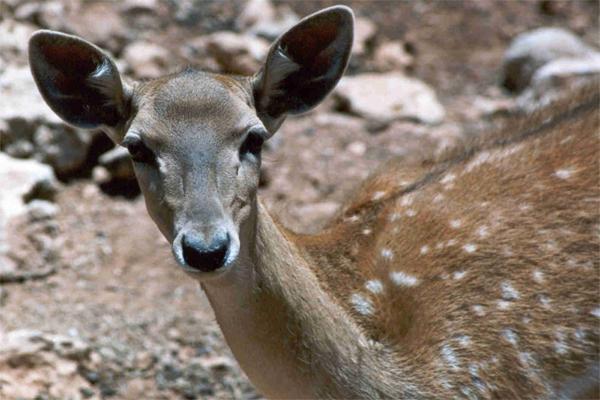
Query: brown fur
x,y
535,221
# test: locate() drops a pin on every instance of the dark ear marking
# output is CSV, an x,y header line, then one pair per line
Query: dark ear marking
x,y
78,80
304,65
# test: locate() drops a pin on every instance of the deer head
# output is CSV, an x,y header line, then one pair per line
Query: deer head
x,y
195,138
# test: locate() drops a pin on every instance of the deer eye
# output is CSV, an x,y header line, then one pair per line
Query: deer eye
x,y
252,144
138,151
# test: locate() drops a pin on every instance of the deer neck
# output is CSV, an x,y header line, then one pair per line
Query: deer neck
x,y
289,335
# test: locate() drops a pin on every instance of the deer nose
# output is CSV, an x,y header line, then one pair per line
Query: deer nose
x,y
202,257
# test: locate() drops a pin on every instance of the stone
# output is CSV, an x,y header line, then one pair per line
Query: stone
x,y
392,56
387,97
22,181
20,100
39,210
14,37
63,147
364,34
33,362
260,18
531,50
146,60
117,163
234,53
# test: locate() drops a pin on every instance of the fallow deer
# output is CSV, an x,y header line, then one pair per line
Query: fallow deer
x,y
473,275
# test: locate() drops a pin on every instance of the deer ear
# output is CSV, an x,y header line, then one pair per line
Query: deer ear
x,y
304,65
79,81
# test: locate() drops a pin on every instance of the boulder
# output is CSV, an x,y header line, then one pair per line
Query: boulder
x,y
234,53
23,181
392,56
14,37
364,34
62,147
146,60
261,18
33,363
382,98
531,50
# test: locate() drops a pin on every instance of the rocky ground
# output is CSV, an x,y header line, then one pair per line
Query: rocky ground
x,y
91,304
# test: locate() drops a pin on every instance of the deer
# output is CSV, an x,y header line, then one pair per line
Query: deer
x,y
472,274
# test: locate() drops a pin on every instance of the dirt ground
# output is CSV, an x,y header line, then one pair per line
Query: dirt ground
x,y
117,286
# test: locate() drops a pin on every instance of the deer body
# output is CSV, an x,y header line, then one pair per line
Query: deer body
x,y
473,276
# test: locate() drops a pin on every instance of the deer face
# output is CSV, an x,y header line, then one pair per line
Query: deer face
x,y
195,138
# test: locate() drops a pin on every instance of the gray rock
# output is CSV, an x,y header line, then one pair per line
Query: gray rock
x,y
146,60
531,50
118,163
39,210
364,33
383,98
63,147
20,100
261,18
14,37
22,181
234,53
392,56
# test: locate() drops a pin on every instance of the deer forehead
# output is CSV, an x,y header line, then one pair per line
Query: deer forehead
x,y
194,104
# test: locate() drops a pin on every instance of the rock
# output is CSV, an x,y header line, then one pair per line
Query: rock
x,y
39,210
14,37
33,362
364,33
117,163
392,56
22,181
531,50
99,22
146,60
386,97
260,18
234,53
20,101
63,147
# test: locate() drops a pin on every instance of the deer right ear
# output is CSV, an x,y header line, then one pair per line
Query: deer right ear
x,y
79,81
304,65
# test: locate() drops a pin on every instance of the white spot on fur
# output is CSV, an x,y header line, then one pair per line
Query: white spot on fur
x,y
469,248
450,357
508,291
479,310
406,200
544,300
482,231
503,305
394,216
438,198
538,276
455,223
403,279
458,275
378,195
510,336
596,312
448,178
353,218
451,242
526,359
361,304
410,212
366,231
374,286
565,173
579,334
559,344
387,254
424,249
526,320
464,340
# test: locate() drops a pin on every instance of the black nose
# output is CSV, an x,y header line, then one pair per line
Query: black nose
x,y
202,257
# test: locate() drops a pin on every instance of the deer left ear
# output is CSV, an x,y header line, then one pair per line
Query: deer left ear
x,y
304,65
